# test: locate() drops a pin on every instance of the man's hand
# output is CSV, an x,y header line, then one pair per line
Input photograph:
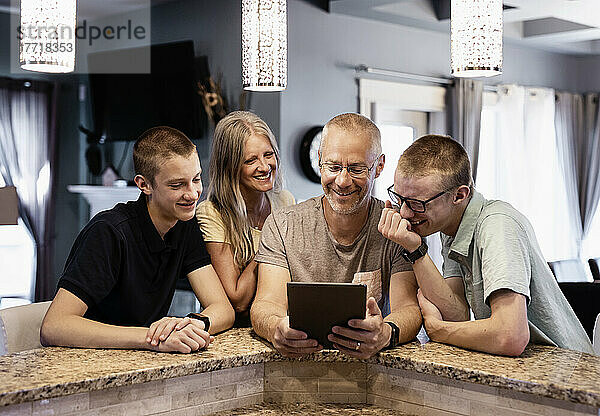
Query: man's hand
x,y
291,342
365,337
187,339
161,329
431,314
393,227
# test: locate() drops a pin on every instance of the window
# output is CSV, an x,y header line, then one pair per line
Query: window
x,y
518,163
17,248
395,138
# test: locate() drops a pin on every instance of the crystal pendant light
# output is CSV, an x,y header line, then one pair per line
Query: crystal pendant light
x,y
476,38
264,45
48,35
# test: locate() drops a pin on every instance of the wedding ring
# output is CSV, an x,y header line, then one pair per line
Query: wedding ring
x,y
357,346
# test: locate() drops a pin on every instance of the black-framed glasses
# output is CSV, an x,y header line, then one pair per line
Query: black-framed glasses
x,y
356,171
415,205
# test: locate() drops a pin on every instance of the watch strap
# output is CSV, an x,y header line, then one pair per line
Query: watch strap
x,y
415,255
395,337
200,317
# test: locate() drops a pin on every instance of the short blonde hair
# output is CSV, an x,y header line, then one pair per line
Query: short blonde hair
x,y
355,123
436,154
156,145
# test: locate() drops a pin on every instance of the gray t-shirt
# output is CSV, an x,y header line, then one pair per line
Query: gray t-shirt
x,y
495,248
298,238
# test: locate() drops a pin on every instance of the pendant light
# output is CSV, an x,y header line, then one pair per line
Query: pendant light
x,y
48,35
264,45
476,38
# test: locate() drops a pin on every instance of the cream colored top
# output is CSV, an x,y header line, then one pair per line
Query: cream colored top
x,y
213,228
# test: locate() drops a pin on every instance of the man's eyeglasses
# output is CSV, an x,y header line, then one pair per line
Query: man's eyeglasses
x,y
415,205
356,171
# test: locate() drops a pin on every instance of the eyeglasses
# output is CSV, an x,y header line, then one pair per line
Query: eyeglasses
x,y
415,205
356,171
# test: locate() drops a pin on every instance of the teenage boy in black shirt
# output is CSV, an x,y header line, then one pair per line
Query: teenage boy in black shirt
x,y
120,276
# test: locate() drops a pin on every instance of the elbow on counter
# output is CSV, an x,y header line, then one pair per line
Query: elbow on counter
x,y
47,333
223,315
257,318
513,343
253,313
229,316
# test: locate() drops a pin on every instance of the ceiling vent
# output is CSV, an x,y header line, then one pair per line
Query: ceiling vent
x,y
442,8
549,26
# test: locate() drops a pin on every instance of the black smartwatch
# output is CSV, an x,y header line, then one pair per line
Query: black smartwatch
x,y
395,337
200,318
415,255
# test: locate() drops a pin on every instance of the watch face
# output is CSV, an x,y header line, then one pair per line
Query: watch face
x,y
309,153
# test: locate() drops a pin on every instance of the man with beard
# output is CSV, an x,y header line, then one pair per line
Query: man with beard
x,y
334,238
493,265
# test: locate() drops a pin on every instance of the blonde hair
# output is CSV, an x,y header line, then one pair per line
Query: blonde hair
x,y
157,144
224,191
436,154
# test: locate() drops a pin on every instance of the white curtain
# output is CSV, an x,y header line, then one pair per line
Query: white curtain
x,y
26,155
578,139
569,134
589,190
518,163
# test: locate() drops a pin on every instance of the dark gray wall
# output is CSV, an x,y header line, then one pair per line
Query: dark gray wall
x,y
215,28
588,74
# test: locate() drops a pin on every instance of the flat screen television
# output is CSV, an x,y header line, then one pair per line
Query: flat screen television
x,y
125,105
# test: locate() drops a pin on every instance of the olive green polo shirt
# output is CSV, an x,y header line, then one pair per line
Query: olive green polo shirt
x,y
495,248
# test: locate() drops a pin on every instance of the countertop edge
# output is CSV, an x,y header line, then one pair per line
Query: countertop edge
x,y
405,358
127,378
550,390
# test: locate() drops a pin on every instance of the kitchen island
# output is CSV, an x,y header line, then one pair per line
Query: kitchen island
x,y
241,371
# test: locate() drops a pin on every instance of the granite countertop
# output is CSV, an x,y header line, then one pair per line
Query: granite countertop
x,y
56,371
542,370
310,409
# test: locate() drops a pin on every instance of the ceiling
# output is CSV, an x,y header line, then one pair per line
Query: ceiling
x,y
566,26
93,9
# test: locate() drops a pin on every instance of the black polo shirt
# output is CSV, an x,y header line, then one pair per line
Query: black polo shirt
x,y
124,271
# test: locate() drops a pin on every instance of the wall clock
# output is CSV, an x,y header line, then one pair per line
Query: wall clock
x,y
309,154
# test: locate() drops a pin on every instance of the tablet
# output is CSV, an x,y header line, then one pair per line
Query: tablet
x,y
315,308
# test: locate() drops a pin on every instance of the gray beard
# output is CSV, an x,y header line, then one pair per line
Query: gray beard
x,y
345,211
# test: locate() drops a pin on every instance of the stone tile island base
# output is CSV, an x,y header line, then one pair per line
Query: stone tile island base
x,y
426,394
270,388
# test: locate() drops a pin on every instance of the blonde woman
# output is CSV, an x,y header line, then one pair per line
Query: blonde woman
x,y
245,187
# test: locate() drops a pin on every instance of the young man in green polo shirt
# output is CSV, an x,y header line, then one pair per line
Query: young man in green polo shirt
x,y
493,265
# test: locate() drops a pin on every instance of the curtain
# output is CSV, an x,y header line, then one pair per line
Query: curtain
x,y
578,138
502,139
570,128
518,164
589,190
27,142
466,117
